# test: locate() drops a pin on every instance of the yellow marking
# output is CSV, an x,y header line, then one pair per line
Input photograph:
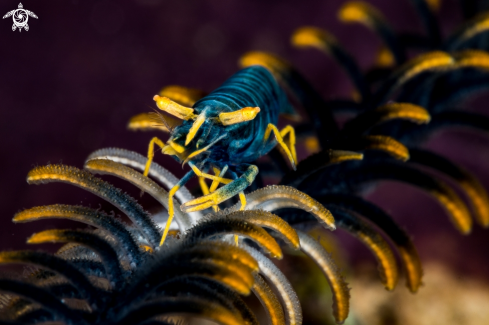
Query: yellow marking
x,y
455,207
242,273
243,115
195,128
475,26
232,280
224,251
47,236
434,5
412,265
269,61
291,117
168,150
203,186
389,145
214,198
178,148
8,257
356,96
51,211
269,220
152,143
422,63
242,199
312,144
182,95
290,152
318,251
359,12
313,37
269,301
175,109
146,248
145,122
170,213
216,183
472,58
204,202
195,154
199,173
291,132
297,199
478,197
384,58
337,156
174,233
406,111
236,240
198,152
206,190
383,253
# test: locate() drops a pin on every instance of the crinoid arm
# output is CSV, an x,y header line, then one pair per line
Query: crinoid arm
x,y
112,226
269,301
339,287
368,15
286,294
104,250
137,161
85,180
305,37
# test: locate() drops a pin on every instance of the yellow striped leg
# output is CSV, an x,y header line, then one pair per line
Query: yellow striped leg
x,y
151,148
174,189
199,173
290,149
215,183
224,193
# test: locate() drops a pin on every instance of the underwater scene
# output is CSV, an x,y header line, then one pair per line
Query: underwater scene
x,y
244,162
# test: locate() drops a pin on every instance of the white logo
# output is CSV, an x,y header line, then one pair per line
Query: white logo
x,y
20,17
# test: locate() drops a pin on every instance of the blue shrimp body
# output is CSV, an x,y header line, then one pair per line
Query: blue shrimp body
x,y
226,130
243,142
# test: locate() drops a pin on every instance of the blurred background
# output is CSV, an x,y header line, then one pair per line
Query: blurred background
x,y
69,85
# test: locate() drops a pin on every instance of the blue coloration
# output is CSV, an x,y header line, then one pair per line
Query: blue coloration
x,y
243,142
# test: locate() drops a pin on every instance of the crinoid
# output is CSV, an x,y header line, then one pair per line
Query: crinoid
x,y
118,273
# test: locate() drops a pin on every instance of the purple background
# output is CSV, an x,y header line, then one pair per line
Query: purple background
x,y
69,85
